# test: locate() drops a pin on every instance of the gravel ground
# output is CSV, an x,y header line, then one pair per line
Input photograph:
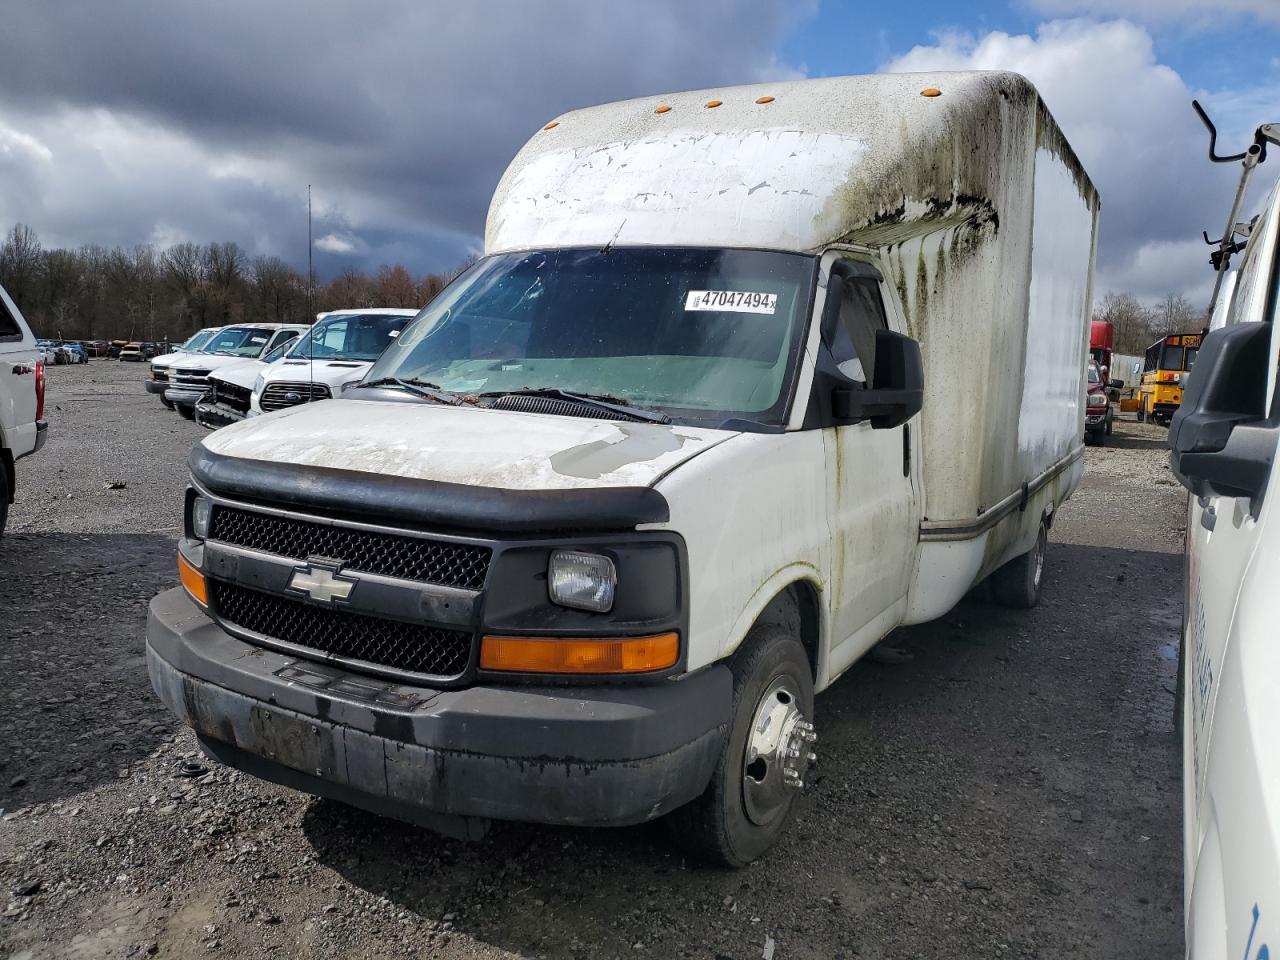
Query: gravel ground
x,y
1012,791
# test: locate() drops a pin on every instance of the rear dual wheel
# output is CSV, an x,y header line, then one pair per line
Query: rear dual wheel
x,y
1018,582
765,756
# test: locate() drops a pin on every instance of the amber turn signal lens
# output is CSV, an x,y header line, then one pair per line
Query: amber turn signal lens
x,y
193,580
574,655
930,92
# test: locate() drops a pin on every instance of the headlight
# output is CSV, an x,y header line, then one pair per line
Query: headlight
x,y
1097,400
259,383
201,508
583,581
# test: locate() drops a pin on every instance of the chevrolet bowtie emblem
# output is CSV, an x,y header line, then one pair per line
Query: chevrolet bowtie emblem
x,y
321,582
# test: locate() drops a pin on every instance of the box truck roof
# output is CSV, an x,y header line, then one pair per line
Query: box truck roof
x,y
787,166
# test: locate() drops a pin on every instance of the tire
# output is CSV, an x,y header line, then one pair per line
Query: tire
x,y
1142,413
5,489
1018,582
188,413
1110,421
167,403
734,822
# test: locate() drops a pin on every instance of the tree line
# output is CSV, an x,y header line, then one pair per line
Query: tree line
x,y
1138,325
149,293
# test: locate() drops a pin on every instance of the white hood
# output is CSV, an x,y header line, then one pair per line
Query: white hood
x,y
242,373
332,373
467,445
169,359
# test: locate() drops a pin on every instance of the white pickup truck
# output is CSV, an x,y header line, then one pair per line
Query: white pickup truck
x,y
1225,440
23,429
746,378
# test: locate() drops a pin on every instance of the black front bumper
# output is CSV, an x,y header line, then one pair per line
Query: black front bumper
x,y
590,755
212,415
156,386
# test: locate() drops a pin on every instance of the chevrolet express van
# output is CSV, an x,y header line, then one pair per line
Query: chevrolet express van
x,y
746,378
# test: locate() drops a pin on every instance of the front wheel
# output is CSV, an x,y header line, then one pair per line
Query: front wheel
x,y
1142,414
188,413
764,759
1017,583
168,404
1109,422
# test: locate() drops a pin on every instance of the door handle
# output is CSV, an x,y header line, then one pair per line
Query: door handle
x,y
1209,517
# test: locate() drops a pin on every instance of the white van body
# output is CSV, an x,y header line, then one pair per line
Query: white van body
x,y
950,202
23,429
303,377
1229,670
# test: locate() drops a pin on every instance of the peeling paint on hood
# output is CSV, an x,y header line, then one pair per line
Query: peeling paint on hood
x,y
468,445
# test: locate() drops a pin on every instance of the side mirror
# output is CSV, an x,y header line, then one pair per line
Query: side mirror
x,y
896,393
1221,443
1115,383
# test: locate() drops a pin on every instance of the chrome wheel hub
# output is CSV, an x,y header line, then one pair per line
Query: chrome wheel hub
x,y
778,753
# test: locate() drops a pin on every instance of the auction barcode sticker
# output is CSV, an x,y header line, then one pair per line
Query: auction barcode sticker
x,y
731,301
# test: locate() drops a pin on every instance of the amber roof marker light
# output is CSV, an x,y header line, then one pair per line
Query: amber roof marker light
x,y
662,108
712,103
930,92
552,125
764,99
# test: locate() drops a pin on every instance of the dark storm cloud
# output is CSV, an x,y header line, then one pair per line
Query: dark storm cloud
x,y
149,120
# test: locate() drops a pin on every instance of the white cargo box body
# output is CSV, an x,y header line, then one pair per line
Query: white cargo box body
x,y
979,211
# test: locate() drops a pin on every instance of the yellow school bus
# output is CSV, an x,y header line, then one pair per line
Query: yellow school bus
x,y
1167,363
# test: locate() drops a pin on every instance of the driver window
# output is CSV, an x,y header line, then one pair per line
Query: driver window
x,y
861,315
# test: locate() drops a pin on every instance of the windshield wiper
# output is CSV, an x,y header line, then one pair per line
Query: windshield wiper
x,y
419,388
600,402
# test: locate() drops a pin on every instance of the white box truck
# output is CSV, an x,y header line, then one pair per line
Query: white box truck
x,y
746,379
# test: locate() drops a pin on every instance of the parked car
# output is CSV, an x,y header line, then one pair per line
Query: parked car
x,y
340,349
1098,413
591,533
96,348
1224,434
75,351
189,379
131,351
114,348
46,352
23,428
231,385
157,381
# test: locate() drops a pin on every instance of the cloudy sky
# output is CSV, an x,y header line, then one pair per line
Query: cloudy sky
x,y
150,120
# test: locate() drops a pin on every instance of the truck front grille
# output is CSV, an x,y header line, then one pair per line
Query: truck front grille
x,y
233,395
392,644
277,396
393,555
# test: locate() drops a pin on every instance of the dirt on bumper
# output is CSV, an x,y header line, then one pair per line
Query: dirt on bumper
x,y
570,755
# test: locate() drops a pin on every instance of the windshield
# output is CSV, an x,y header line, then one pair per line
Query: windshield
x,y
1171,358
350,337
239,341
702,334
1094,375
197,340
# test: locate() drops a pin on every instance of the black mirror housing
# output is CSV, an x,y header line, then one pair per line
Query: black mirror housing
x,y
896,393
1221,444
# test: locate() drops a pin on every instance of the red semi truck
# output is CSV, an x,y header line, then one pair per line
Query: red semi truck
x,y
1101,337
